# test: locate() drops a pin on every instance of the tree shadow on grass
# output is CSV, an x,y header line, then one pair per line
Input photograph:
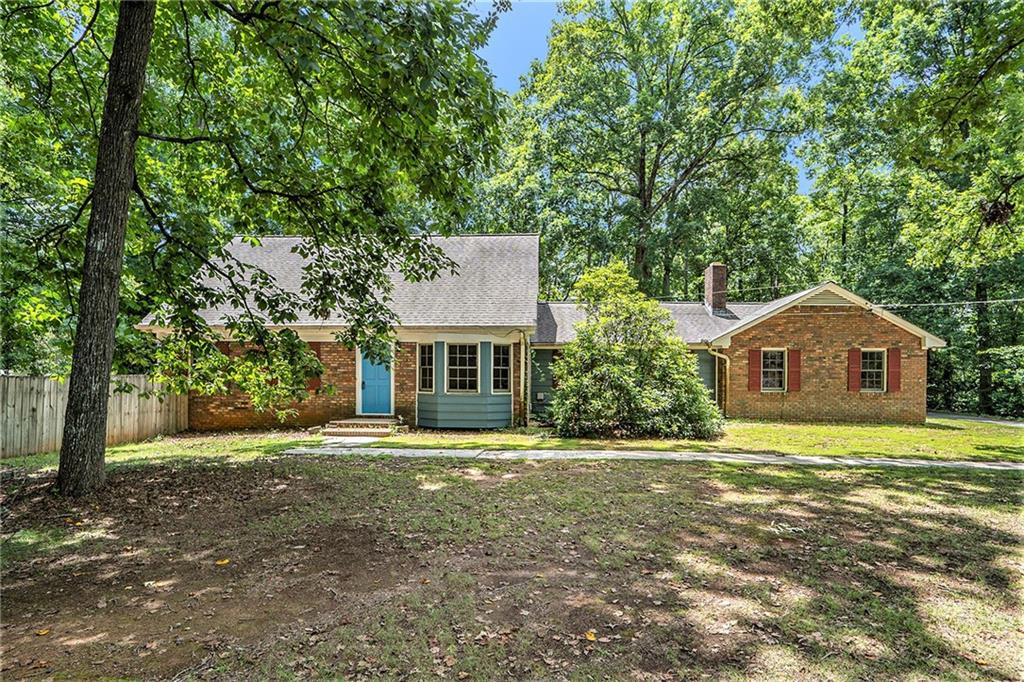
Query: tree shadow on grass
x,y
870,562
801,572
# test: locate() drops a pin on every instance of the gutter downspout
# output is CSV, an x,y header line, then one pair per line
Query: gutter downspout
x,y
716,354
523,395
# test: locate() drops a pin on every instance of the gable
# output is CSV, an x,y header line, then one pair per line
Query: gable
x,y
826,298
826,295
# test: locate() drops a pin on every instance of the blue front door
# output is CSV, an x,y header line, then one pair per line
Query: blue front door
x,y
376,388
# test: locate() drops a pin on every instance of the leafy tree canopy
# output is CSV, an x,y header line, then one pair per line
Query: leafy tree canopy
x,y
933,98
353,124
640,109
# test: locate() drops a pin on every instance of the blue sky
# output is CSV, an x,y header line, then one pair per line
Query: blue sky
x,y
520,37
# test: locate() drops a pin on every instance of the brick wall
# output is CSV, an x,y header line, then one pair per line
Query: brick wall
x,y
234,411
824,335
405,382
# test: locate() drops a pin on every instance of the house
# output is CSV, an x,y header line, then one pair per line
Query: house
x,y
822,354
460,361
475,349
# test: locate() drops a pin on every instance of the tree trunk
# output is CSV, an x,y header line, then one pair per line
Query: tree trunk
x,y
842,238
85,428
984,360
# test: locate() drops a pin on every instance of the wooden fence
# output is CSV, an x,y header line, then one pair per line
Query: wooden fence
x,y
32,413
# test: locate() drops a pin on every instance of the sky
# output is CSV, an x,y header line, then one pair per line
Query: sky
x,y
520,37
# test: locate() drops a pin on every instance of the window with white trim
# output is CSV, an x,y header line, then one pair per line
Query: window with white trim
x,y
502,371
463,367
773,370
872,370
426,368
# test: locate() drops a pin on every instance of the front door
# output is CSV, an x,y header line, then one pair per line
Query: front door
x,y
375,389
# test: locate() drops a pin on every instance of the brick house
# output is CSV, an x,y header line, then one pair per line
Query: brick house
x,y
460,361
475,348
822,354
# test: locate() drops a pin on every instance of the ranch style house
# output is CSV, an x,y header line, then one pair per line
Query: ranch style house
x,y
475,349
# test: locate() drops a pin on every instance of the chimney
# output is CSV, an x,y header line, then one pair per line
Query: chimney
x,y
714,288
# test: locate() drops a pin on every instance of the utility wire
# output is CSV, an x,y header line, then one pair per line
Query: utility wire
x,y
922,305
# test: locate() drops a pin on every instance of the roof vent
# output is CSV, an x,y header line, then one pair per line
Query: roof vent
x,y
714,288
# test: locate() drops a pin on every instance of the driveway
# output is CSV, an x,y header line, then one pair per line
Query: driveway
x,y
971,418
337,448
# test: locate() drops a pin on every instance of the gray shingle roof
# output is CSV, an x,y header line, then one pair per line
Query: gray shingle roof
x,y
694,323
496,283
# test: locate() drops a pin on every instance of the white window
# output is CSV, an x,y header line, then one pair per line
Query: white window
x,y
872,370
502,374
773,369
463,367
426,368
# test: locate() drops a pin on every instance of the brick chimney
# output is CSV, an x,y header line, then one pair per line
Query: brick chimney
x,y
714,288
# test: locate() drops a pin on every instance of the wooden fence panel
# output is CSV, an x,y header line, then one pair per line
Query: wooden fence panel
x,y
32,413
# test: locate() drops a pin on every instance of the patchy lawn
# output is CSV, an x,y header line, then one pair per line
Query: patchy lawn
x,y
937,439
229,565
217,448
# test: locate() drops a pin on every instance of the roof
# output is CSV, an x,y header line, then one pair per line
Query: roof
x,y
696,325
694,322
495,285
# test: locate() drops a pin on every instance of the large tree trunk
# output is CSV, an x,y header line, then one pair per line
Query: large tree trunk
x,y
85,428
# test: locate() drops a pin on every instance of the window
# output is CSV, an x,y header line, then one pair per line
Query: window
x,y
773,370
872,370
426,368
502,369
462,367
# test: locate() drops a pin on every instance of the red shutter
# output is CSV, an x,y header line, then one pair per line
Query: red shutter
x,y
314,382
853,369
893,358
793,371
754,369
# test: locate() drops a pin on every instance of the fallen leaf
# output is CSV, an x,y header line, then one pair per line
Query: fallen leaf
x,y
223,562
590,635
43,632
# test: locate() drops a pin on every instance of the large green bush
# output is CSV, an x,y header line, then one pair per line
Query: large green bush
x,y
627,373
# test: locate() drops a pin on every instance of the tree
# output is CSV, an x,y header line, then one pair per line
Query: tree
x,y
919,176
627,373
353,124
647,102
85,429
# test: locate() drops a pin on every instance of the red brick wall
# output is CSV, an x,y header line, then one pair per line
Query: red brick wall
x,y
824,335
405,382
234,411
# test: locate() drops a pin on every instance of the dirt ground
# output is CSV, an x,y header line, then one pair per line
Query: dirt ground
x,y
305,567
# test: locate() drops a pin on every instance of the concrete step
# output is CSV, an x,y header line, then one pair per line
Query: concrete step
x,y
376,432
362,422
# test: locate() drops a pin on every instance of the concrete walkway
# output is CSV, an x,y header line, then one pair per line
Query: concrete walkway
x,y
736,457
999,421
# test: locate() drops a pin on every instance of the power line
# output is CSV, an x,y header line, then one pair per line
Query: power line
x,y
922,305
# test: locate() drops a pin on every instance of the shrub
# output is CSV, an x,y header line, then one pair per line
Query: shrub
x,y
627,373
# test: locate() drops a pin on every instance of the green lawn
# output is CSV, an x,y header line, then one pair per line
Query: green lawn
x,y
219,558
937,439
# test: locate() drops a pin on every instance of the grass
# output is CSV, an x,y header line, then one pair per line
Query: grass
x,y
363,567
231,447
942,439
